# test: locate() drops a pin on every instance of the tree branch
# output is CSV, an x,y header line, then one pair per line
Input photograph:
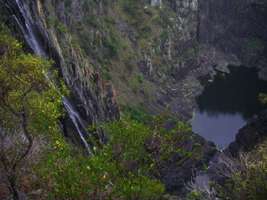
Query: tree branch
x,y
24,124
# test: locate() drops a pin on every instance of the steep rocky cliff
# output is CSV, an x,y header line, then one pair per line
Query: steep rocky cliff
x,y
237,28
91,98
132,44
232,159
153,52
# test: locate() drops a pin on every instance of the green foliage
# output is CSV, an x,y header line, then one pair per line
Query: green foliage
x,y
64,172
61,27
53,22
136,82
25,89
102,41
140,188
131,7
137,113
250,182
112,44
118,170
195,195
124,168
30,108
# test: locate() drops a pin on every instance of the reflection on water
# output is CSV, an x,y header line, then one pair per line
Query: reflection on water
x,y
219,128
227,103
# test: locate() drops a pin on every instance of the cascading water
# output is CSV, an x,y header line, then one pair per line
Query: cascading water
x,y
28,29
77,121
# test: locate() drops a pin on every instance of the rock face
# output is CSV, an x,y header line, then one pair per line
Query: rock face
x,y
250,135
225,163
92,99
177,171
236,28
153,52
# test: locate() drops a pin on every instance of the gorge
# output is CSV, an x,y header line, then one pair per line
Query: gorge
x,y
227,104
138,59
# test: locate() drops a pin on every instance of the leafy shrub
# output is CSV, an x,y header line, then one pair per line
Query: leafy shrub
x,y
136,82
119,169
30,108
112,45
137,113
250,182
124,168
195,195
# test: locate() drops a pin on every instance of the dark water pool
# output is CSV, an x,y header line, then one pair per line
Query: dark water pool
x,y
227,104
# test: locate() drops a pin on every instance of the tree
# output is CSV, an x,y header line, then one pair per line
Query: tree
x,y
29,106
249,183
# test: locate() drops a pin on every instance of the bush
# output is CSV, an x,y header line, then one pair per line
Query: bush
x,y
118,170
250,182
195,195
30,109
124,168
137,113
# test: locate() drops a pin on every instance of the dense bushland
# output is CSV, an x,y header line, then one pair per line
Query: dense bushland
x,y
30,107
34,149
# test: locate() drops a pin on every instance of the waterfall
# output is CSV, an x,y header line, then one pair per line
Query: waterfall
x,y
28,29
78,123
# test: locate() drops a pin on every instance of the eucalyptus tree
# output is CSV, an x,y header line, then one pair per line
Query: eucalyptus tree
x,y
29,107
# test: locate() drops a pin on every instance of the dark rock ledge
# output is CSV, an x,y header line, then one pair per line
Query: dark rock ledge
x,y
225,163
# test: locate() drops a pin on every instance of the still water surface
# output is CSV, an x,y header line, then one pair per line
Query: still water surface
x,y
227,104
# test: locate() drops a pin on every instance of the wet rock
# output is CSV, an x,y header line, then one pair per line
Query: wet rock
x,y
91,96
250,135
235,28
179,169
225,163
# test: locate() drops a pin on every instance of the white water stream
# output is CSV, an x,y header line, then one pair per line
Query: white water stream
x,y
30,36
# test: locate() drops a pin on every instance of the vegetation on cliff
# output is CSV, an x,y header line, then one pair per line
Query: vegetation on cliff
x,y
250,182
29,108
152,56
129,166
35,155
130,43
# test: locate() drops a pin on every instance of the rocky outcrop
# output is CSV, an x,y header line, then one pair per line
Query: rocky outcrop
x,y
237,28
153,52
92,98
250,135
225,163
178,170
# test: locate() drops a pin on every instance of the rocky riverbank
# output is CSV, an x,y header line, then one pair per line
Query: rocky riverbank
x,y
223,164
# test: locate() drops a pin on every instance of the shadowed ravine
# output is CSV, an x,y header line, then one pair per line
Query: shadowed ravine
x,y
227,104
113,86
